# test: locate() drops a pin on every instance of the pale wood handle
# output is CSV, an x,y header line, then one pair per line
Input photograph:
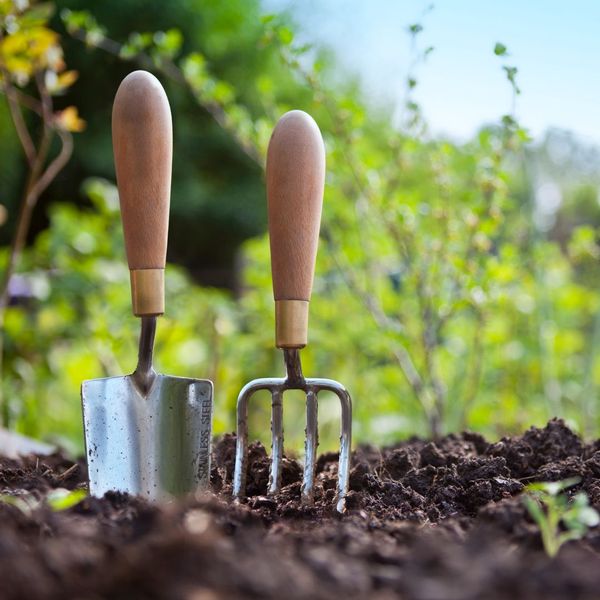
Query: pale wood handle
x,y
143,147
295,181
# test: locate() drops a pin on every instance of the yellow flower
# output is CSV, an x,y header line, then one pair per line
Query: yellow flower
x,y
69,119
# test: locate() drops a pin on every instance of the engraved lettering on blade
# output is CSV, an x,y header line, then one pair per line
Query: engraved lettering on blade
x,y
204,448
203,456
206,411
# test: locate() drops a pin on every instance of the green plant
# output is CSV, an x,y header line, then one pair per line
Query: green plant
x,y
210,58
457,310
438,302
559,519
26,503
78,323
31,58
58,499
62,499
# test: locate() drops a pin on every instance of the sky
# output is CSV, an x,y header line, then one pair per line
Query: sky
x,y
555,44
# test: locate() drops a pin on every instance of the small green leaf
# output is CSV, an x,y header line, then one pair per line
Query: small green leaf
x,y
511,75
25,503
286,35
37,15
169,42
509,121
265,19
523,135
62,499
580,500
500,49
589,516
553,487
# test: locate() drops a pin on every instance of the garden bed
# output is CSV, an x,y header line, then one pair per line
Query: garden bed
x,y
425,521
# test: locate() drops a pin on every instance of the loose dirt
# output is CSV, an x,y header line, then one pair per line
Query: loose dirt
x,y
425,521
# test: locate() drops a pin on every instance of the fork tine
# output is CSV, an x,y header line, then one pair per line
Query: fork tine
x,y
241,445
312,441
276,441
345,443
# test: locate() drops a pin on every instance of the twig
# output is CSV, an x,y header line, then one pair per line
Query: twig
x,y
37,181
18,121
473,380
65,474
173,72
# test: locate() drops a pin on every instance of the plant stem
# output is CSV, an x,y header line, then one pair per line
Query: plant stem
x,y
38,180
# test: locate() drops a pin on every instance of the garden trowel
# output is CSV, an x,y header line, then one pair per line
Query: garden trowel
x,y
146,434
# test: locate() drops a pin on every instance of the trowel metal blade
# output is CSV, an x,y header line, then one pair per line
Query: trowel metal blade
x,y
155,445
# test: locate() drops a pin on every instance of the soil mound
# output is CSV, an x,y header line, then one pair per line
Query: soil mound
x,y
425,521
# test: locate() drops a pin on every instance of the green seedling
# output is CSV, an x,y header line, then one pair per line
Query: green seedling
x,y
58,499
61,499
559,519
26,503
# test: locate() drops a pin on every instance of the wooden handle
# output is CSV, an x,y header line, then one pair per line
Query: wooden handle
x,y
143,146
295,180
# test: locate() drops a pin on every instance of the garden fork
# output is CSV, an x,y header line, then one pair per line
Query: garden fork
x,y
295,181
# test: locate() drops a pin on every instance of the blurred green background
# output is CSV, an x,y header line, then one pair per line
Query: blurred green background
x,y
452,289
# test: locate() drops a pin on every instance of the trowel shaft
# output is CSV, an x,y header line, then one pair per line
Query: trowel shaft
x,y
144,374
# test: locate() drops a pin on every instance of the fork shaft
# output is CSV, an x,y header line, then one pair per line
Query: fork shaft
x,y
310,446
293,367
276,441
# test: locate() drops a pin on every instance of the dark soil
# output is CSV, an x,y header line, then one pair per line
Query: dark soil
x,y
427,521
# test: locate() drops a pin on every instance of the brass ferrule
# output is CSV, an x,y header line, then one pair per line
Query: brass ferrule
x,y
147,292
291,323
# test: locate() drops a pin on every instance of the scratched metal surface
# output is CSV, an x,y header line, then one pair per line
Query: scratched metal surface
x,y
157,445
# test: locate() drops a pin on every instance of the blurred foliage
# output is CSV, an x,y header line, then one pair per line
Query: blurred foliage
x,y
438,301
33,74
216,186
78,325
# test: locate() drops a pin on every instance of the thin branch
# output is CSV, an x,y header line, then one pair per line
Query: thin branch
x,y
369,301
399,351
430,344
473,380
57,165
432,410
33,104
35,187
17,118
16,114
172,71
416,383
